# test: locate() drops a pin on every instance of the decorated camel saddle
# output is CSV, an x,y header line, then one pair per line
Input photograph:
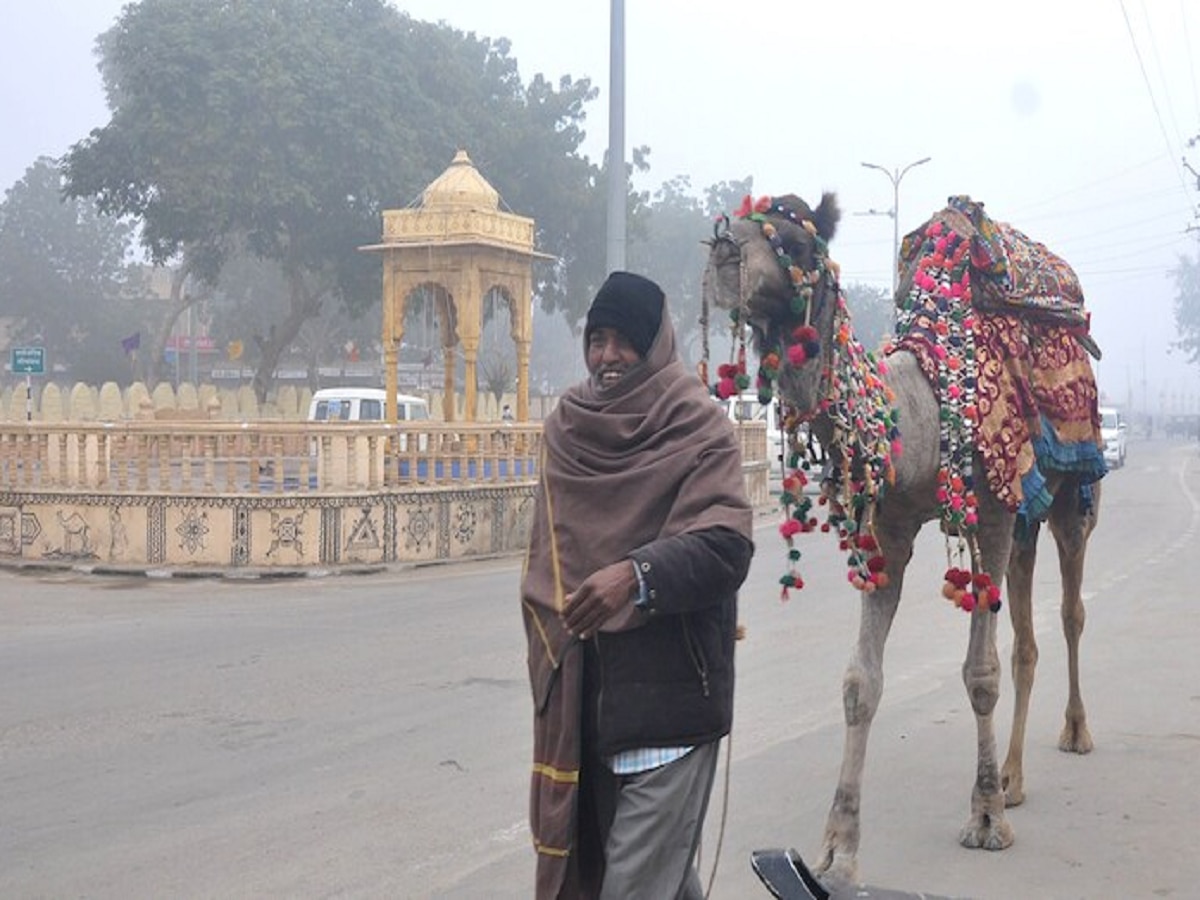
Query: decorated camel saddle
x,y
998,324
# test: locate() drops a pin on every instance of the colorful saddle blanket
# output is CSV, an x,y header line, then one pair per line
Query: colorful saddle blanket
x,y
998,324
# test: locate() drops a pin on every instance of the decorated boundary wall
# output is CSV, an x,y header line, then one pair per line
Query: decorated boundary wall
x,y
197,494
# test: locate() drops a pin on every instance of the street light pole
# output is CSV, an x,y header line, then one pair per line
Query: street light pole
x,y
895,176
618,188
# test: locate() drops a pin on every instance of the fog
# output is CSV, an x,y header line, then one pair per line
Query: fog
x,y
1069,120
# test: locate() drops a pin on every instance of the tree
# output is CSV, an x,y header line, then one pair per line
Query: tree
x,y
873,312
66,279
667,248
282,129
1187,307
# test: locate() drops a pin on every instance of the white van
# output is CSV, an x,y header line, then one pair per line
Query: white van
x,y
363,405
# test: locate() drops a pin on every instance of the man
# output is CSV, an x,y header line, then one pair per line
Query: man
x,y
641,537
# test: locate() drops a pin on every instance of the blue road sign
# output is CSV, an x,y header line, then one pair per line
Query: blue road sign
x,y
28,361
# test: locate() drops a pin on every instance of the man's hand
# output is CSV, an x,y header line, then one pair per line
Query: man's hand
x,y
599,598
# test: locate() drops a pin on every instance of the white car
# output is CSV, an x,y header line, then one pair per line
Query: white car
x,y
1113,431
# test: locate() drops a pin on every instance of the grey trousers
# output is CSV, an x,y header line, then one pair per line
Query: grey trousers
x,y
656,829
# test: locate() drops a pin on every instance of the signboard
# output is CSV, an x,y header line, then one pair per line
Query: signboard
x,y
204,344
28,361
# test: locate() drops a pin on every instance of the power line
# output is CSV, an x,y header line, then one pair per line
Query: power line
x,y
1161,75
1117,203
1187,45
1116,228
1054,198
1082,258
1153,102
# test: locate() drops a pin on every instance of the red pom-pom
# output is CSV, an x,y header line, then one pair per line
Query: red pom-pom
x,y
960,578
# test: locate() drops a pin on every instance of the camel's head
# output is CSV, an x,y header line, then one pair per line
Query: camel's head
x,y
752,267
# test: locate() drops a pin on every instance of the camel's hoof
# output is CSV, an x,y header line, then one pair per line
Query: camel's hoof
x,y
986,833
1014,790
835,869
1075,738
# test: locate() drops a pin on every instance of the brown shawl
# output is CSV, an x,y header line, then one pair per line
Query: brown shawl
x,y
651,457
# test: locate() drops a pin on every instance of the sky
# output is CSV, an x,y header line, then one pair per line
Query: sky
x,y
1069,119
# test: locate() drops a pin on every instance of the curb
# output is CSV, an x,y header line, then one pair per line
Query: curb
x,y
43,567
282,573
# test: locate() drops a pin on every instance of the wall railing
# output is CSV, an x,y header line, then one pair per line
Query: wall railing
x,y
263,458
277,494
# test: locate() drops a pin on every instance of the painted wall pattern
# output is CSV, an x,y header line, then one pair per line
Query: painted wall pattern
x,y
126,529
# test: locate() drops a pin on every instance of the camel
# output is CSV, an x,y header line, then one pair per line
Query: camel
x,y
885,476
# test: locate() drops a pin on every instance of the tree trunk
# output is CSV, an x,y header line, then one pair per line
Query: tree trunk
x,y
305,304
152,364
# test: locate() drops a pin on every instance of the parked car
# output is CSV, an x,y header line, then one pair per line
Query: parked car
x,y
353,404
1114,432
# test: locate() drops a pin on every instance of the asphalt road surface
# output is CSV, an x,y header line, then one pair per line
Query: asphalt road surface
x,y
369,736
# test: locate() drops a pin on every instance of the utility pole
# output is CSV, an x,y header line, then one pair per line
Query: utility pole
x,y
618,194
895,176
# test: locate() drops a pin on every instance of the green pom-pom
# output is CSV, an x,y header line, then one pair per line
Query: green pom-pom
x,y
794,555
742,380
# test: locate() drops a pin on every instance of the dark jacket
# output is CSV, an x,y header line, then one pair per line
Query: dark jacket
x,y
670,682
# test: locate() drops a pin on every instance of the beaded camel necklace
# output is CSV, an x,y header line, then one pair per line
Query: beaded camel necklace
x,y
854,398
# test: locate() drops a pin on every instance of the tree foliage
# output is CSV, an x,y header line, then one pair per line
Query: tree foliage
x,y
282,129
1187,307
873,311
65,276
668,246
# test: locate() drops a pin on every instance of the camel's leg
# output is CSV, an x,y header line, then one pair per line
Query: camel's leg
x,y
1019,591
862,687
1071,529
988,827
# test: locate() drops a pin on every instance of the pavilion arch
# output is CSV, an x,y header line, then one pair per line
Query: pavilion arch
x,y
457,244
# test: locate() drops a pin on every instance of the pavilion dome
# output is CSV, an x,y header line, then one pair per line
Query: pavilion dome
x,y
460,187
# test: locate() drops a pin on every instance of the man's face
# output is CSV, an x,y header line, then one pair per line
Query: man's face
x,y
609,356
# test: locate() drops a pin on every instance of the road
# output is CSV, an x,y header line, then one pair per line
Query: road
x,y
369,736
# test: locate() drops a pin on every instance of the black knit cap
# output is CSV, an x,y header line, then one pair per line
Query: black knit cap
x,y
632,305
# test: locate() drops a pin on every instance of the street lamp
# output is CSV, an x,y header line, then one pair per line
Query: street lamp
x,y
894,176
